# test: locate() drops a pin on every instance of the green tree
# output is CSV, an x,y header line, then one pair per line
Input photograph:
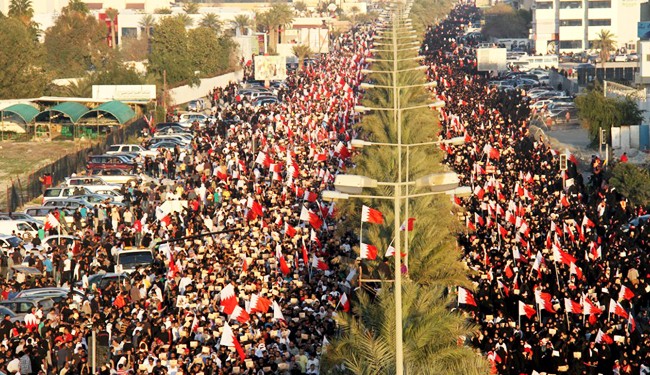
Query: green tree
x,y
300,6
22,74
191,8
366,344
605,42
212,21
242,22
502,21
112,17
170,52
632,181
162,11
596,112
76,43
146,23
22,10
279,16
78,6
204,48
134,49
302,52
354,11
185,19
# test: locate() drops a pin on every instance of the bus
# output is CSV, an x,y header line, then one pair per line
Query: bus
x,y
526,63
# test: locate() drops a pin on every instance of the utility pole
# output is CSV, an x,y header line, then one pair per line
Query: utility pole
x,y
164,98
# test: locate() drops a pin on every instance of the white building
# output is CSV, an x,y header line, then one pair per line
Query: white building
x,y
572,25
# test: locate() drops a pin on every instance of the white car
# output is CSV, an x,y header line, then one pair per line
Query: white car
x,y
130,148
20,228
187,119
115,176
92,183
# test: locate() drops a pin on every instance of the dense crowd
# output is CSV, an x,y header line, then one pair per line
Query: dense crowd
x,y
562,285
259,299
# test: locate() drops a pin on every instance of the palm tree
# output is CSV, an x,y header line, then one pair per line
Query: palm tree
x,y
146,23
605,41
279,16
22,10
354,11
300,6
303,52
191,8
78,6
162,11
185,19
211,21
242,22
112,17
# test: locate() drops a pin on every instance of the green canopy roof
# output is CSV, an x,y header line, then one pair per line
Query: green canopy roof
x,y
70,109
25,111
119,110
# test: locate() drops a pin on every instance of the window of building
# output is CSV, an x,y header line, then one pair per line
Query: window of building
x,y
544,5
602,22
129,32
600,4
570,44
570,22
570,4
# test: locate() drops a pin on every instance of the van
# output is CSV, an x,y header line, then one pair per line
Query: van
x,y
109,162
63,192
129,259
20,228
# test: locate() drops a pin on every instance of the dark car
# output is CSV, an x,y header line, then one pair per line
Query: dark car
x,y
109,162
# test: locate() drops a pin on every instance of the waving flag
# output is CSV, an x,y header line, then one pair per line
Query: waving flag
x,y
465,297
616,309
572,307
228,299
51,222
527,310
407,225
625,293
344,302
370,215
228,339
368,251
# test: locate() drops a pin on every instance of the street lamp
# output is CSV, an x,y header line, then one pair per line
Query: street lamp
x,y
333,195
436,104
370,71
414,48
416,58
366,86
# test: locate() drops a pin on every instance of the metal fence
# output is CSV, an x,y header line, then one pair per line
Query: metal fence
x,y
26,188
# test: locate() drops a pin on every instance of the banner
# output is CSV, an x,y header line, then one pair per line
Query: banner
x,y
270,68
491,59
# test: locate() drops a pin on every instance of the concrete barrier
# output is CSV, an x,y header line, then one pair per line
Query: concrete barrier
x,y
184,94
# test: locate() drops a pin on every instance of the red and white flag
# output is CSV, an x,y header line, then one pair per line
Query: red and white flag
x,y
544,300
289,230
370,215
228,339
259,304
240,315
51,222
407,225
277,312
616,309
228,299
603,337
310,196
572,307
465,297
344,302
527,310
625,293
318,263
312,218
589,308
368,251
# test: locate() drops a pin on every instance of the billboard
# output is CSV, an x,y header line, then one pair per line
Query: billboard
x,y
124,92
491,59
643,30
317,39
270,68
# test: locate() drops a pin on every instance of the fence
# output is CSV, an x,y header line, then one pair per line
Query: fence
x,y
24,189
631,137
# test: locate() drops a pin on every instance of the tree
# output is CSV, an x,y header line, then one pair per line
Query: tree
x,y
146,23
242,22
75,43
112,17
279,16
22,10
208,53
303,52
605,42
170,52
430,330
300,6
78,6
22,75
191,8
632,181
599,112
502,21
185,19
212,21
162,11
354,11
134,49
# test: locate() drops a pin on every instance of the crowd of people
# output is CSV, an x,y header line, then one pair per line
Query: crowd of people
x,y
562,281
257,299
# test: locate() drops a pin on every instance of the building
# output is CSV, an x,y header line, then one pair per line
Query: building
x,y
563,26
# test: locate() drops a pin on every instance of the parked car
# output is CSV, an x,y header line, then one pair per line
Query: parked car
x,y
115,176
20,228
167,145
91,183
620,58
60,239
171,127
109,162
265,100
40,213
128,148
4,312
71,203
632,57
64,192
9,242
187,119
101,280
23,306
636,222
129,259
197,105
21,216
56,294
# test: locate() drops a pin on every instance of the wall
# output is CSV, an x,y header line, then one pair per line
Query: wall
x,y
184,94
